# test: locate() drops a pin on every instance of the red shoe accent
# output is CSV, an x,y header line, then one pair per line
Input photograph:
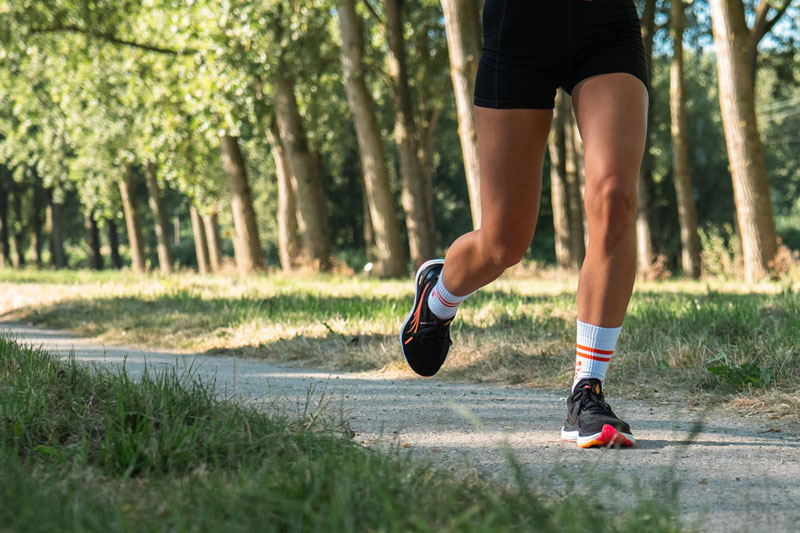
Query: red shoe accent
x,y
609,437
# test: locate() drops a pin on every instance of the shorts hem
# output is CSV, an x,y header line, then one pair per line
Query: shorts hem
x,y
610,70
508,104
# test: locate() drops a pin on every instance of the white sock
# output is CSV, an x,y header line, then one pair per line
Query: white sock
x,y
442,302
594,349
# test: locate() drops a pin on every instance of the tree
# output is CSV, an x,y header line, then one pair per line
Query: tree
x,y
164,247
745,149
681,172
565,188
288,241
133,222
464,44
200,241
391,254
416,187
246,242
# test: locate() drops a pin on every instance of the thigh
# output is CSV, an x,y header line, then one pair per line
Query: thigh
x,y
611,112
511,143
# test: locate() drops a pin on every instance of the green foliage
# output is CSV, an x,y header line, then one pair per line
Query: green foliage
x,y
742,376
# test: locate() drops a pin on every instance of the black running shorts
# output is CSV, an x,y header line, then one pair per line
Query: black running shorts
x,y
532,47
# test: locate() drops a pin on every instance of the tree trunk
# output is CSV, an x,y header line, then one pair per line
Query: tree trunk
x,y
463,29
164,246
246,242
745,150
92,241
368,231
113,243
200,242
418,209
558,186
214,241
682,176
304,169
37,221
645,253
576,183
176,229
5,251
288,240
54,227
133,222
19,229
391,254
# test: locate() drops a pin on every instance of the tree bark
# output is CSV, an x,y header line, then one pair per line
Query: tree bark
x,y
247,244
304,169
55,229
745,150
288,240
644,215
19,229
418,209
213,240
37,222
92,241
164,246
133,222
392,258
113,243
200,242
464,41
558,186
5,250
682,176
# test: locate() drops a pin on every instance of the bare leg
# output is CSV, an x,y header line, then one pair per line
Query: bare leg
x,y
611,111
511,143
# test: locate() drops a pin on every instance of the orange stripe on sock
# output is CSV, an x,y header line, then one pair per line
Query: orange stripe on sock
x,y
442,300
595,350
593,357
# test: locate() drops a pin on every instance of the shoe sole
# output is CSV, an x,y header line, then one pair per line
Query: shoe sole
x,y
609,436
417,293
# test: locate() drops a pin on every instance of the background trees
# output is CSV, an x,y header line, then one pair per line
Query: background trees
x,y
317,134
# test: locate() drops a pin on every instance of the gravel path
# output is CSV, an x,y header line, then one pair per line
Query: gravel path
x,y
736,475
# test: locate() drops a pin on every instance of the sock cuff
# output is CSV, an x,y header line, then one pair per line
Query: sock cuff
x,y
598,337
446,296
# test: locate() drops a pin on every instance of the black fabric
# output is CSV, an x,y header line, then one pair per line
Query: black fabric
x,y
588,412
532,47
426,341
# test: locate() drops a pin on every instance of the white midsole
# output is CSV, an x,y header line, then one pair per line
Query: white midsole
x,y
574,436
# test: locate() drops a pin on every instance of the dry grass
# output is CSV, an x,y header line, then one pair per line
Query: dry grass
x,y
520,330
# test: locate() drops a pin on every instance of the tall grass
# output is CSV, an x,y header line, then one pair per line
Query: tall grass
x,y
91,449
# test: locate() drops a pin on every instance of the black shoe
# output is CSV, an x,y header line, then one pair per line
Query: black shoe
x,y
590,420
424,337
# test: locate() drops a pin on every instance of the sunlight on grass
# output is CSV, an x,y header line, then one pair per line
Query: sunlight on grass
x,y
711,339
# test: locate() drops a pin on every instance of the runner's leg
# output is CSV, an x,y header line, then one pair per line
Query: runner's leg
x,y
511,143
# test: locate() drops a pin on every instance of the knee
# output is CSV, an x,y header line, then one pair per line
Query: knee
x,y
502,253
611,207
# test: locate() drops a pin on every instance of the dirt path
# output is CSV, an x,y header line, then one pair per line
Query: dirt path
x,y
736,475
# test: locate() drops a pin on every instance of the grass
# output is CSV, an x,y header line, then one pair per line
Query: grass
x,y
90,449
707,342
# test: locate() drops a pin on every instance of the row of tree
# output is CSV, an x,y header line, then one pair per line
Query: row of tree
x,y
352,110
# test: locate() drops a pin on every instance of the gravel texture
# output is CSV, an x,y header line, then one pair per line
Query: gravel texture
x,y
736,474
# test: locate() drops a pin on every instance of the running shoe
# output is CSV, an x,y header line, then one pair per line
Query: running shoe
x,y
425,338
590,420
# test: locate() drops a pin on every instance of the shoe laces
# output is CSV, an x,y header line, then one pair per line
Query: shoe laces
x,y
590,401
434,334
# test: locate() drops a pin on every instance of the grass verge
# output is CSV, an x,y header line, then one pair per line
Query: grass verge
x,y
90,449
708,342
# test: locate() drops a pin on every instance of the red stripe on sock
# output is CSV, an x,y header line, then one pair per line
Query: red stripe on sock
x,y
593,357
595,350
441,299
